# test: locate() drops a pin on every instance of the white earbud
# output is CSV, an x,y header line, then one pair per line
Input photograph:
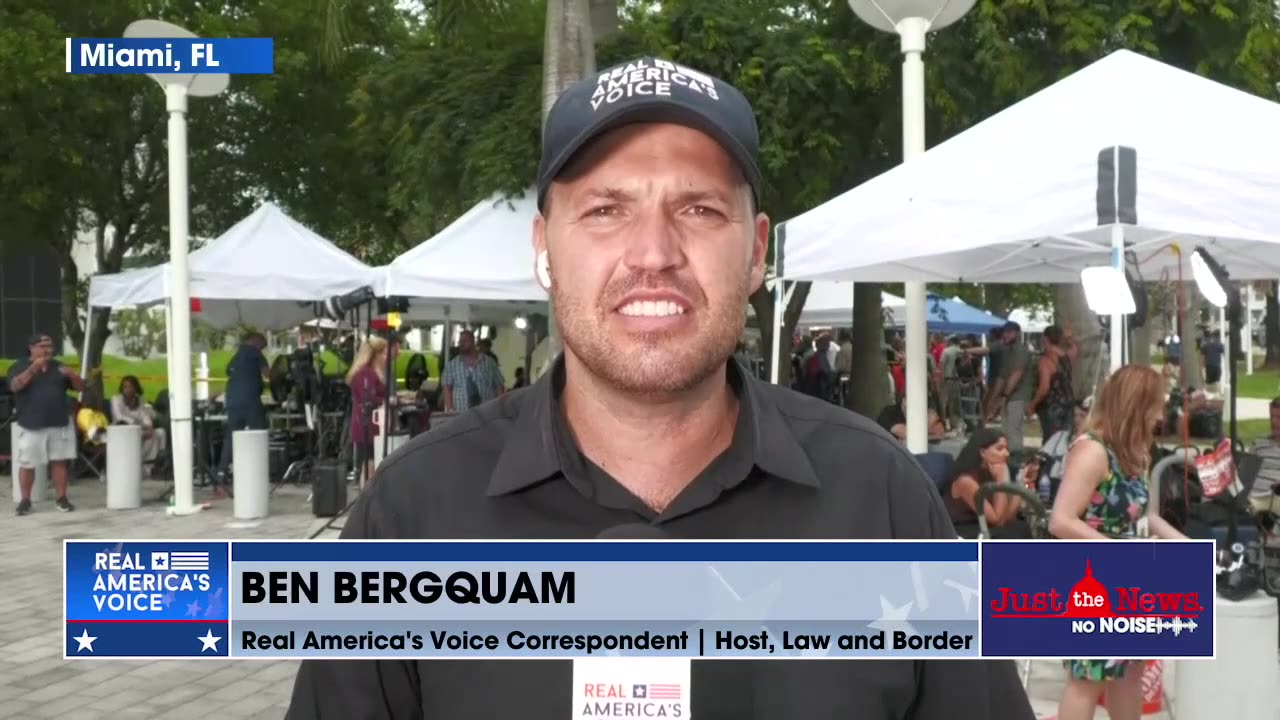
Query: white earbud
x,y
544,270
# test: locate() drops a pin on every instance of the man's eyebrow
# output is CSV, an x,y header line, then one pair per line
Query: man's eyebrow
x,y
612,194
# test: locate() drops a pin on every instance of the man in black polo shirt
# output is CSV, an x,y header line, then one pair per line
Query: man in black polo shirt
x,y
45,434
649,242
243,397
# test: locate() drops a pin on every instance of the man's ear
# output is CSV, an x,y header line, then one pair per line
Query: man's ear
x,y
759,250
541,260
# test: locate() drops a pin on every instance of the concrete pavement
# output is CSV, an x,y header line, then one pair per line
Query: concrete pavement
x,y
35,682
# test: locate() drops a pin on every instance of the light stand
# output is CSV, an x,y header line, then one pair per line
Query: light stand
x,y
177,88
1214,283
912,20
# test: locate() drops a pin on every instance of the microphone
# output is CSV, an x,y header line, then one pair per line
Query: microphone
x,y
633,531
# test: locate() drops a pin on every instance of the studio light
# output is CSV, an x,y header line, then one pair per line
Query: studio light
x,y
1210,277
521,322
1107,291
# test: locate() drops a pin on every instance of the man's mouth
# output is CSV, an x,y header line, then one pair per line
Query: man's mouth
x,y
651,308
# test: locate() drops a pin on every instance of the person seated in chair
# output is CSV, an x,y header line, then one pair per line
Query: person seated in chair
x,y
893,418
984,460
90,420
129,408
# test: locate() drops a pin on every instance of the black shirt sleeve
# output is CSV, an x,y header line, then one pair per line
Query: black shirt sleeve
x,y
357,689
988,689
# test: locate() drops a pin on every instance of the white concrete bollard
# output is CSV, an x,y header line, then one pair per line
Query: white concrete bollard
x,y
124,467
1244,680
251,468
39,489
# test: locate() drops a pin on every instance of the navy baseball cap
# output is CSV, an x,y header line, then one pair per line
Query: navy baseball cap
x,y
649,90
37,338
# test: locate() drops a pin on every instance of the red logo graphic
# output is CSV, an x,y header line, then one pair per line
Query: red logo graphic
x,y
1090,598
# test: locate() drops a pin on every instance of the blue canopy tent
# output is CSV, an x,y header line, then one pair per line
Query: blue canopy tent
x,y
952,316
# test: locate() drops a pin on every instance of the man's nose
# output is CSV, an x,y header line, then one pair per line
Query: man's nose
x,y
654,242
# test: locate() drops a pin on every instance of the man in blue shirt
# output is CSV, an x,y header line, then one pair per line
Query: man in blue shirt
x,y
243,397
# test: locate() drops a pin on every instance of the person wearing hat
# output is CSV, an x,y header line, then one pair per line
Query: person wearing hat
x,y
45,434
649,240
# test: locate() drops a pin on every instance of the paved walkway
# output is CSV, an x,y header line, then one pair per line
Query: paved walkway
x,y
35,682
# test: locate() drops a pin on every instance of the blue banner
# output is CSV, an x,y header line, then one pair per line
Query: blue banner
x,y
146,599
1110,599
559,599
170,56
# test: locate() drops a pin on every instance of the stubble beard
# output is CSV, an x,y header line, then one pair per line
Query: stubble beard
x,y
651,365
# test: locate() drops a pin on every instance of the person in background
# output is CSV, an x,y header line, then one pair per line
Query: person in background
x,y
520,380
91,418
844,356
243,398
983,460
819,375
367,379
1055,397
1268,449
949,394
471,377
1211,351
45,433
1056,447
129,407
1104,494
1015,384
937,343
485,347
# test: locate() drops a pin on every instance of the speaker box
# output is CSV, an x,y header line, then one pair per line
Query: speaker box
x,y
328,489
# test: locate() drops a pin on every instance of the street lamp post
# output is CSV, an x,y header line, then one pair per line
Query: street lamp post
x,y
177,88
911,20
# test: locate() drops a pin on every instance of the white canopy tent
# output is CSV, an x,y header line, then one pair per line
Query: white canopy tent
x,y
1125,160
830,304
266,271
1033,193
485,256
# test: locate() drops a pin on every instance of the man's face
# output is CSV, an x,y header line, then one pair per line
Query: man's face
x,y
42,348
466,342
653,248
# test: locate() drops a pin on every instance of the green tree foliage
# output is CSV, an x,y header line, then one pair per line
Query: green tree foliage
x,y
88,153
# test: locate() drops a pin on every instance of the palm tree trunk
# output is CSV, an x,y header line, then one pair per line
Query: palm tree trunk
x,y
568,55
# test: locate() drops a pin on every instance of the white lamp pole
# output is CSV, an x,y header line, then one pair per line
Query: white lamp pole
x,y
176,89
911,20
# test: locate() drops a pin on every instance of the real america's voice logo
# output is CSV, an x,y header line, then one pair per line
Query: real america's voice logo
x,y
1094,609
147,582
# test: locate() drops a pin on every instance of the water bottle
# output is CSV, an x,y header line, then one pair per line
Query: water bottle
x,y
1044,488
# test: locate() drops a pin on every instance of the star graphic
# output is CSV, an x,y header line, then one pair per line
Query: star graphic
x,y
193,608
893,618
209,641
967,594
214,604
84,641
728,605
168,599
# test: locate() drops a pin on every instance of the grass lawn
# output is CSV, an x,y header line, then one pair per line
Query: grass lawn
x,y
1263,384
153,372
1249,430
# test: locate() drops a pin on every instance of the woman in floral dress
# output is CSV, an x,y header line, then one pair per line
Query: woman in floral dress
x,y
1104,495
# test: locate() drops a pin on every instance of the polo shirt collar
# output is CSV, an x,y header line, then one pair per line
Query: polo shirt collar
x,y
532,451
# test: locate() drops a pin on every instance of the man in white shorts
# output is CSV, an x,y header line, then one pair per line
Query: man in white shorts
x,y
44,432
